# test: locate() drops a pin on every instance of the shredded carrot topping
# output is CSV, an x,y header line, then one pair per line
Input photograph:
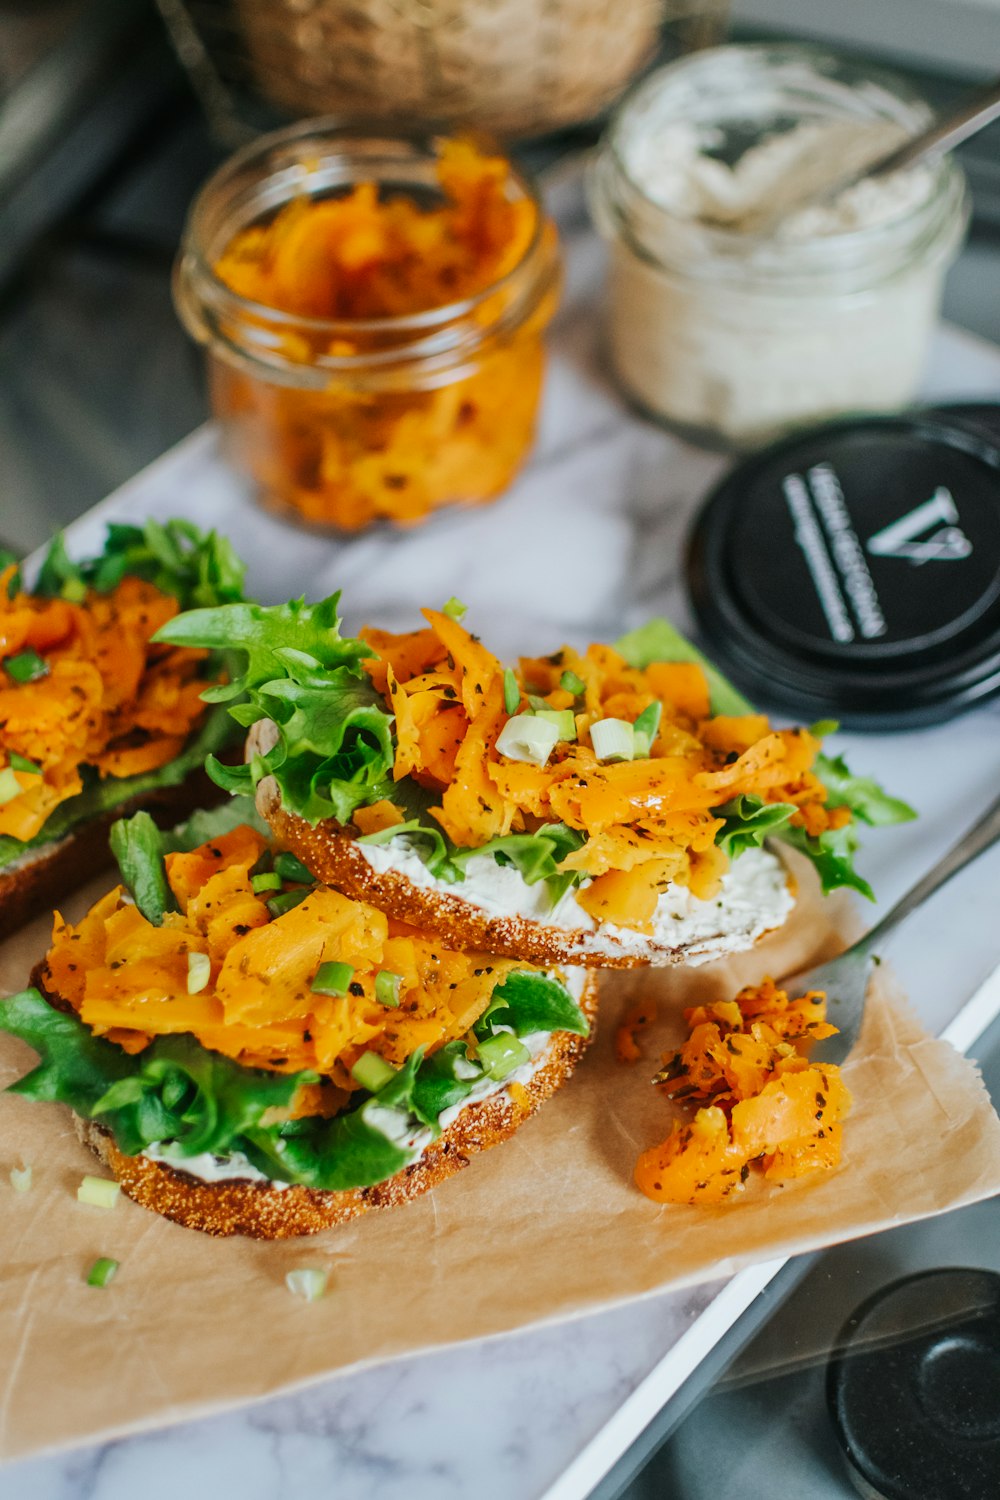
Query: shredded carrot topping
x,y
343,455
128,979
649,821
761,1101
102,696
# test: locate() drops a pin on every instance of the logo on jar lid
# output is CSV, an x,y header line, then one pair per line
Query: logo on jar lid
x,y
901,538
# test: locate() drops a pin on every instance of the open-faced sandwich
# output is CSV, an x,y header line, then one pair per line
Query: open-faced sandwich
x,y
608,808
95,717
251,1052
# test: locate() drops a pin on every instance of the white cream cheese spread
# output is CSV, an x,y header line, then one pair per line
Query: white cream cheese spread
x,y
754,898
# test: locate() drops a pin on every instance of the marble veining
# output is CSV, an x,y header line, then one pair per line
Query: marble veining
x,y
587,543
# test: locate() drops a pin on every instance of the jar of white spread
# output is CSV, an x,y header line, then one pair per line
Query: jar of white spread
x,y
736,335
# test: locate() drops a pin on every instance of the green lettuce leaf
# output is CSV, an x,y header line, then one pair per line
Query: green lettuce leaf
x,y
196,567
749,820
139,847
833,855
866,799
528,1002
334,751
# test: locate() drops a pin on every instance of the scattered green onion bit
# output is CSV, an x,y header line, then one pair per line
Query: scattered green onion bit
x,y
102,1271
10,787
387,986
564,720
570,683
268,880
646,728
74,590
372,1072
20,1179
290,868
501,1054
528,738
511,692
455,609
101,1192
26,666
199,972
21,763
284,901
613,739
819,730
307,1283
332,979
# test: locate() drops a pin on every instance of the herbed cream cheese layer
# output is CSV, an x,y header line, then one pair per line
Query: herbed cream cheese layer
x,y
754,898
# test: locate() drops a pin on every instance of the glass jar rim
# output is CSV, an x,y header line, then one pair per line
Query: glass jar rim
x,y
947,178
428,321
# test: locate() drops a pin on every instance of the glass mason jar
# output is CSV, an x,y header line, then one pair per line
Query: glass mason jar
x,y
734,336
344,422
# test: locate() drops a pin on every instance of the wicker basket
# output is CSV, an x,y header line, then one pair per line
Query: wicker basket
x,y
514,67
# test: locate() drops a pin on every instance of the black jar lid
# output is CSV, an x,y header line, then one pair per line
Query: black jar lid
x,y
913,1388
852,571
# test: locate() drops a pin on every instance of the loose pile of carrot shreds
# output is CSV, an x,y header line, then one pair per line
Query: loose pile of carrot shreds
x,y
761,1100
128,979
648,822
105,698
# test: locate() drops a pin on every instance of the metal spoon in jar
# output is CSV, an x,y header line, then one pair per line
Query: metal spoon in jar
x,y
979,109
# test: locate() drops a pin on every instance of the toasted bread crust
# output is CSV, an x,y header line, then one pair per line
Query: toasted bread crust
x,y
269,1213
334,858
50,872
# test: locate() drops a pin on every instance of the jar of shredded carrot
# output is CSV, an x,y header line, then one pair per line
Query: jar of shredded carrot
x,y
374,311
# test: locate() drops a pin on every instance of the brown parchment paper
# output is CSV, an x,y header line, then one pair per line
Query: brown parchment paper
x,y
546,1227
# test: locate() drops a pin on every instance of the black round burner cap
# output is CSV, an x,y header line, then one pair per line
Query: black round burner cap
x,y
853,571
914,1388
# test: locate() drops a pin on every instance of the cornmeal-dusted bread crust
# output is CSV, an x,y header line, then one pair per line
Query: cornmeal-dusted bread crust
x,y
43,876
334,858
269,1213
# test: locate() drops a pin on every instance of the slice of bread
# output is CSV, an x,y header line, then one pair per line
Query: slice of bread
x,y
42,876
262,1211
757,896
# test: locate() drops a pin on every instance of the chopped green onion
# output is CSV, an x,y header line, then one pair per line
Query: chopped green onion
x,y
455,609
539,704
564,720
387,987
307,1283
10,787
268,880
284,901
20,763
613,739
20,1179
74,590
290,868
199,972
528,738
332,979
511,692
570,683
26,666
101,1192
819,730
501,1054
647,727
372,1072
102,1271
